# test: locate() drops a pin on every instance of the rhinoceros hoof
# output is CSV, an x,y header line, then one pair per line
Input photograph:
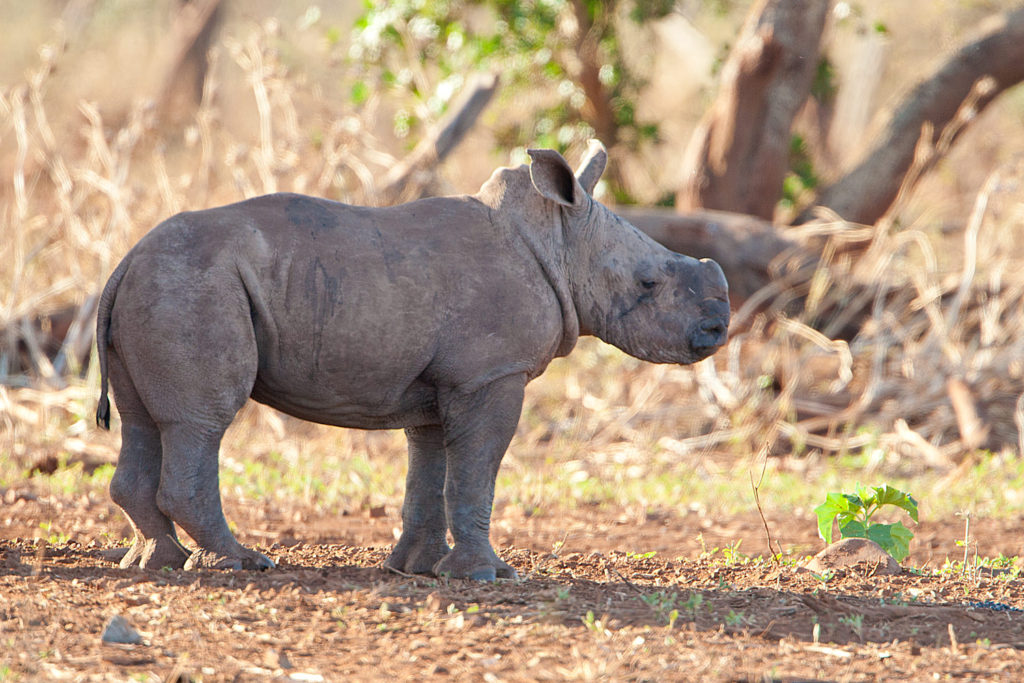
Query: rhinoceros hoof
x,y
476,566
155,553
207,559
416,557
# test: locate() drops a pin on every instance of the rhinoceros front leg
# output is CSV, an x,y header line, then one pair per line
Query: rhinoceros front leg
x,y
478,427
424,527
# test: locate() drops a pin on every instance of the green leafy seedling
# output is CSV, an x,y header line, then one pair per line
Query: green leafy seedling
x,y
855,510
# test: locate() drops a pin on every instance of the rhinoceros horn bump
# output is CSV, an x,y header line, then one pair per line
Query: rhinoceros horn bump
x,y
592,166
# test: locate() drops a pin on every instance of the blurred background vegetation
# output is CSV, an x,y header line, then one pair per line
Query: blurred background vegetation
x,y
894,340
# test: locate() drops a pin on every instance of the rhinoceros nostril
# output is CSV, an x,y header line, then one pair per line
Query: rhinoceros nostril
x,y
712,327
709,334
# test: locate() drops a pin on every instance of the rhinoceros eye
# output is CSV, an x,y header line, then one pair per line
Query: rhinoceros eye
x,y
648,284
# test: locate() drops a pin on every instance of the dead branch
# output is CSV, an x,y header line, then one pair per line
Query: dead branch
x,y
745,246
411,177
865,193
40,363
74,351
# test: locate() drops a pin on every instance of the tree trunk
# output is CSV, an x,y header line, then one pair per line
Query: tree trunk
x,y
598,107
865,193
739,154
183,78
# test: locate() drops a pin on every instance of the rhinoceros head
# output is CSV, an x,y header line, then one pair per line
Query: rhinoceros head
x,y
628,290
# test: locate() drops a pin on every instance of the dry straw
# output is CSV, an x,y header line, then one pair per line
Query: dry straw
x,y
77,190
931,364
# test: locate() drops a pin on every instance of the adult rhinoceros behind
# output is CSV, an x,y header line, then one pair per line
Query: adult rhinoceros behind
x,y
431,316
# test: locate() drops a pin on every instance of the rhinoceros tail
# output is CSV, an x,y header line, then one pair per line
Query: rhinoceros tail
x,y
103,339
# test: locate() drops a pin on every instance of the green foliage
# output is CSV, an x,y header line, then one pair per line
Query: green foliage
x,y
824,577
53,536
599,627
734,618
825,85
663,603
855,622
693,604
854,512
359,93
802,177
424,51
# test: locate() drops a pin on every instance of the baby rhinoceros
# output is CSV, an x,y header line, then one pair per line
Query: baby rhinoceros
x,y
431,316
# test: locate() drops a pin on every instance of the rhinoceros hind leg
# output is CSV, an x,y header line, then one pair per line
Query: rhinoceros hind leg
x,y
190,495
413,556
137,478
423,542
156,553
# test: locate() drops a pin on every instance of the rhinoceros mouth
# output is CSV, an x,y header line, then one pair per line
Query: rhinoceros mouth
x,y
708,336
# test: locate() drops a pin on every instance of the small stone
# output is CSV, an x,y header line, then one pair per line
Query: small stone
x,y
853,551
118,630
13,496
273,659
435,603
12,559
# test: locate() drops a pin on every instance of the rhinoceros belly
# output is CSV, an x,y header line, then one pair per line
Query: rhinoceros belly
x,y
365,407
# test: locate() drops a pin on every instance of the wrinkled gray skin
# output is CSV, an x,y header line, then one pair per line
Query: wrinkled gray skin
x,y
431,316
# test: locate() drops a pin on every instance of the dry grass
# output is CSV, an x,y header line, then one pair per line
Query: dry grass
x,y
76,196
944,312
933,368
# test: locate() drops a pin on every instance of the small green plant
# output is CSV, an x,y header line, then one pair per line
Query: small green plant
x,y
967,569
855,622
855,510
732,555
630,555
824,577
693,603
597,626
734,618
54,537
664,605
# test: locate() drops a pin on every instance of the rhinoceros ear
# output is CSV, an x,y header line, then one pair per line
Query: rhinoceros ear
x,y
553,178
592,166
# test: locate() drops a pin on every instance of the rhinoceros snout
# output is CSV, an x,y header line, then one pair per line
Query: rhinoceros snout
x,y
708,335
712,329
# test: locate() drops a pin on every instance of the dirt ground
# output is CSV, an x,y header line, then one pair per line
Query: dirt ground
x,y
594,602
